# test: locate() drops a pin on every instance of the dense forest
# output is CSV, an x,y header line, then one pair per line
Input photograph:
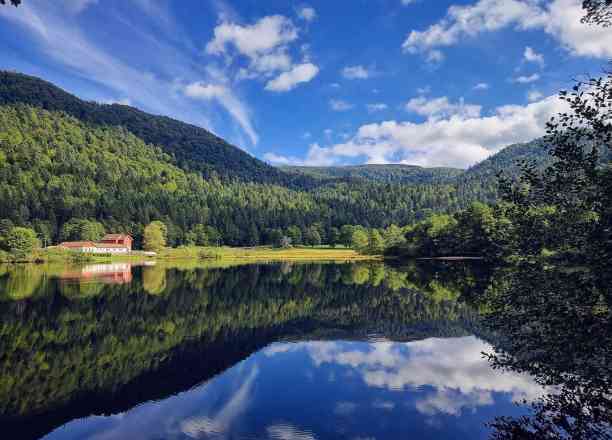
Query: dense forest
x,y
395,173
559,208
193,148
64,161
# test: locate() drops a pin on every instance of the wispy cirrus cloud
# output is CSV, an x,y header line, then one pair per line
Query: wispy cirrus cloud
x,y
224,96
56,31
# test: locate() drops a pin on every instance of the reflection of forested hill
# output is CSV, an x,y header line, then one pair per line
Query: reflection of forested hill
x,y
63,345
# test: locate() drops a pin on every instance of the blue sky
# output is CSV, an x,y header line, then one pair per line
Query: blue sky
x,y
432,83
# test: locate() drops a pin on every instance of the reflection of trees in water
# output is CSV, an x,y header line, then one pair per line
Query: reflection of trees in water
x,y
57,346
81,290
555,324
20,281
153,280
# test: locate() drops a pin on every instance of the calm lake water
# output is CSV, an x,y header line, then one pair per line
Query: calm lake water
x,y
274,351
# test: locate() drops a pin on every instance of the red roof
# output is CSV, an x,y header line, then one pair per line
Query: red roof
x,y
115,236
77,244
110,245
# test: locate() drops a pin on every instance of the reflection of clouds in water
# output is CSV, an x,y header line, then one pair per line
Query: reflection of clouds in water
x,y
200,427
449,401
345,408
288,432
281,347
133,424
454,367
144,422
382,404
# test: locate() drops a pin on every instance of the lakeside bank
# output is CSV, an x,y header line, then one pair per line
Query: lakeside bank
x,y
246,254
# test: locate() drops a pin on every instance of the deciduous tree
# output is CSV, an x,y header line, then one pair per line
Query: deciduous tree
x,y
21,242
155,236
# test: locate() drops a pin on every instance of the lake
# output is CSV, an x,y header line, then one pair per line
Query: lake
x,y
279,351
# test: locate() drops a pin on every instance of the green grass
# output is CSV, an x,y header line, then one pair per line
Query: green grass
x,y
264,253
235,254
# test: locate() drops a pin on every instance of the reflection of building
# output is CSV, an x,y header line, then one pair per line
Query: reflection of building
x,y
110,244
117,273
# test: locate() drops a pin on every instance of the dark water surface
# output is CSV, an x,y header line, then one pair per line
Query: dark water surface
x,y
289,351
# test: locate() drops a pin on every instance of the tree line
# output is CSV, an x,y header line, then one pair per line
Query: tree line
x,y
68,180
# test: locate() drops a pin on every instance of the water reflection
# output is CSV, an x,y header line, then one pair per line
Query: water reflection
x,y
331,389
304,351
108,273
555,323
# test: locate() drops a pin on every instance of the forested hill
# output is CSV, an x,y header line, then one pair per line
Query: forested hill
x,y
393,173
70,169
506,161
193,148
55,170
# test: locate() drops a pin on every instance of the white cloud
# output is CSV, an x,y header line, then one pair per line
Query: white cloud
x,y
307,13
356,72
534,95
532,56
377,107
558,18
450,375
277,159
423,90
435,57
339,105
289,80
316,156
224,96
266,45
408,2
481,86
272,62
437,108
579,39
253,40
457,140
526,79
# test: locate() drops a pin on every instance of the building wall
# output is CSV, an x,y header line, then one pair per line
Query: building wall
x,y
102,250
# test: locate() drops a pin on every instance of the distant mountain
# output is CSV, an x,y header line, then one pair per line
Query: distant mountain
x,y
194,148
394,173
506,160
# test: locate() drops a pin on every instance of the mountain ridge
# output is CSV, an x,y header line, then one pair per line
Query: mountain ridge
x,y
194,148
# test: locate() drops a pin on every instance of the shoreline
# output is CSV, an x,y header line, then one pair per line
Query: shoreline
x,y
235,254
